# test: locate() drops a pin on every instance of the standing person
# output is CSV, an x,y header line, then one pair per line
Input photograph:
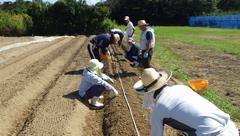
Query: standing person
x,y
181,108
99,44
147,42
120,33
130,28
93,84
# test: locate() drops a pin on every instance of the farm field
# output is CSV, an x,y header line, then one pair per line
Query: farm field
x,y
39,81
39,94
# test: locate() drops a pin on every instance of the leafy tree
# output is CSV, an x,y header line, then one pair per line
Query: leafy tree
x,y
227,5
167,12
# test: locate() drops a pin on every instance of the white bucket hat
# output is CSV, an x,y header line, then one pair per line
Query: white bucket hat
x,y
126,18
94,65
116,38
151,80
142,22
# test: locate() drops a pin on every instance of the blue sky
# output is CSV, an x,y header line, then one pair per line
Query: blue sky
x,y
90,2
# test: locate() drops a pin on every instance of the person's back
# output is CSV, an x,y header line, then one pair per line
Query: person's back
x,y
86,82
181,104
101,40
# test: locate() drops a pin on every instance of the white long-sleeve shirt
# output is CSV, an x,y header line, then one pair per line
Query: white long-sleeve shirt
x,y
129,29
89,79
180,103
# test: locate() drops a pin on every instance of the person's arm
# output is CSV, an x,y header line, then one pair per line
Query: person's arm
x,y
106,78
98,81
133,30
105,50
149,37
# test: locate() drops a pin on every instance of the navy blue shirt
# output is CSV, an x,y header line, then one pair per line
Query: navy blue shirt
x,y
102,41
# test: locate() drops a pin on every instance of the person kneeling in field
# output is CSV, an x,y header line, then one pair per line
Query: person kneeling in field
x,y
132,54
181,108
93,84
100,43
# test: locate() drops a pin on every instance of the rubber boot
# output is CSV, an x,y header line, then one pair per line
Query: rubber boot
x,y
96,103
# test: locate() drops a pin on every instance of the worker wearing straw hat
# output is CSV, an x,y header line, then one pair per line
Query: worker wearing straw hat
x,y
181,108
99,44
93,84
147,42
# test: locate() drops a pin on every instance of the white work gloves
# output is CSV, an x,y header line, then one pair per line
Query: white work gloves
x,y
115,92
145,55
107,78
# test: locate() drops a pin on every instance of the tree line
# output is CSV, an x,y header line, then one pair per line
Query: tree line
x,y
64,17
169,12
70,17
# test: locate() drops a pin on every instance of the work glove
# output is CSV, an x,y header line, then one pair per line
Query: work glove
x,y
145,55
115,92
107,78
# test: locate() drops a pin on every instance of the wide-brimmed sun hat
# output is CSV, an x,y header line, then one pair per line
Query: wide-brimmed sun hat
x,y
142,23
94,65
126,18
151,80
116,38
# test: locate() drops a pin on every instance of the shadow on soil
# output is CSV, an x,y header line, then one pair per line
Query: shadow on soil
x,y
124,74
74,95
74,72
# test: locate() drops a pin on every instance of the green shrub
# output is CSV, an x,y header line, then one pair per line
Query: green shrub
x,y
109,24
14,24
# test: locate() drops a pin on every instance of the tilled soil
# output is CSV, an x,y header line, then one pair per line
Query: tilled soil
x,y
38,93
117,120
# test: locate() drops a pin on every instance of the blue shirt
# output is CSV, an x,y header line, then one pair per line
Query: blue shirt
x,y
89,79
101,40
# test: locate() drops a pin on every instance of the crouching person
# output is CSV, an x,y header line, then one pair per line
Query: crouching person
x,y
133,55
93,84
99,45
181,108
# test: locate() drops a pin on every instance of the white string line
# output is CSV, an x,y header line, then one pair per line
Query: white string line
x,y
129,107
126,100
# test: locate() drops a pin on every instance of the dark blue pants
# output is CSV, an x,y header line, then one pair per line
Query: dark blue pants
x,y
95,91
93,52
145,62
132,55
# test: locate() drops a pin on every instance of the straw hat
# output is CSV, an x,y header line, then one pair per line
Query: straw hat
x,y
142,22
126,18
151,80
116,38
94,65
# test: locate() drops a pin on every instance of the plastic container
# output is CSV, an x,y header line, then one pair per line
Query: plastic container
x,y
198,85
